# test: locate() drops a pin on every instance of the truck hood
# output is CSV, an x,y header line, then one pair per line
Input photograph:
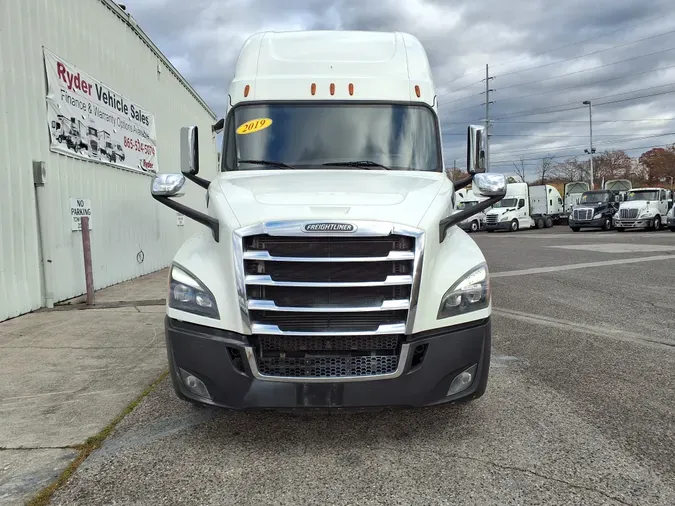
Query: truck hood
x,y
272,195
635,204
500,210
590,205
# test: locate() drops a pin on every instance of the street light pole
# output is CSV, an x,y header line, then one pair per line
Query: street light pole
x,y
590,122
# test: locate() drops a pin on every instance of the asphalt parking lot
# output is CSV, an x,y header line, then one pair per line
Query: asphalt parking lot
x,y
580,408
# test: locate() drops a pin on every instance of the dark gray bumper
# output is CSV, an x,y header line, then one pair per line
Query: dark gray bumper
x,y
599,223
204,353
500,225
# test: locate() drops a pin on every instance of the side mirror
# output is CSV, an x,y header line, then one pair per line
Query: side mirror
x,y
489,185
476,149
189,150
168,185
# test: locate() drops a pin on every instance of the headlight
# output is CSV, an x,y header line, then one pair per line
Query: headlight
x,y
646,212
597,215
470,293
504,217
188,294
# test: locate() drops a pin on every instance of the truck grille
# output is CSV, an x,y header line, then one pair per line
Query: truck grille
x,y
582,214
628,214
327,306
491,218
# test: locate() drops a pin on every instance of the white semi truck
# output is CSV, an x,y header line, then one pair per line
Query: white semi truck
x,y
644,208
525,207
331,272
464,199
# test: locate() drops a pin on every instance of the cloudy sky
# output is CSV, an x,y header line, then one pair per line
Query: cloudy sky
x,y
545,56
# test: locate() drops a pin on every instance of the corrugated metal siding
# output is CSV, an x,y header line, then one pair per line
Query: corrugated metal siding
x,y
126,219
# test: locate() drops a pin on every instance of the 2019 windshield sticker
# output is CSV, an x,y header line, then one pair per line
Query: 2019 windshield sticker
x,y
254,125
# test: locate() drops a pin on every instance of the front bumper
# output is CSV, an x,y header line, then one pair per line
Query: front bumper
x,y
637,223
206,353
597,223
500,225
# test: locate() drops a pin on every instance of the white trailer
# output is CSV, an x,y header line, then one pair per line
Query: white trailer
x,y
571,195
619,187
525,207
309,289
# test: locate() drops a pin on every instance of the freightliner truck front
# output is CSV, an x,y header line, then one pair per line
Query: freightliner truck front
x,y
331,272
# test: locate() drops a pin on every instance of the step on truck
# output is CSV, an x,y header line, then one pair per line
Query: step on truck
x,y
596,209
331,272
525,207
644,208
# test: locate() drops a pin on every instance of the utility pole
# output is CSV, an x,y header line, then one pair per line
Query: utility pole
x,y
454,169
590,151
487,117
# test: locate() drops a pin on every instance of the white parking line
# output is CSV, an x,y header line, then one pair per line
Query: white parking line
x,y
585,265
605,331
582,236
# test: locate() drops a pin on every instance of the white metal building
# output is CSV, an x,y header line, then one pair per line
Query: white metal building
x,y
85,91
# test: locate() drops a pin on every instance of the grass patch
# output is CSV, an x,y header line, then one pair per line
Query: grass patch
x,y
89,446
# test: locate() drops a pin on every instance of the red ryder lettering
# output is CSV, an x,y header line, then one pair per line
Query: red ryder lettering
x,y
72,80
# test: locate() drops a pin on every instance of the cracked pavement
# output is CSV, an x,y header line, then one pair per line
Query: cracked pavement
x,y
580,409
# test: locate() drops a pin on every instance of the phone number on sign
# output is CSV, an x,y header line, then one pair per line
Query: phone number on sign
x,y
139,146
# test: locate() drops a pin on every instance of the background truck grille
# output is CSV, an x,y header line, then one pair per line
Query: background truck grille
x,y
582,214
628,214
491,218
323,306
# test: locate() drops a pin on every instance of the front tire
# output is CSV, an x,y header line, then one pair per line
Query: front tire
x,y
474,226
514,226
656,224
607,225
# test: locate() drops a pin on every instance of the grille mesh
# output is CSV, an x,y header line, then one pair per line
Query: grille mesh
x,y
289,344
491,219
629,214
583,214
323,367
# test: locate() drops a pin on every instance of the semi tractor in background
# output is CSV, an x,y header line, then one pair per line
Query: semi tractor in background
x,y
465,199
572,192
619,187
525,207
644,208
595,209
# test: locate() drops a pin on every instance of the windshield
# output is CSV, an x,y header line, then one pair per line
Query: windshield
x,y
506,203
594,197
643,195
379,136
466,204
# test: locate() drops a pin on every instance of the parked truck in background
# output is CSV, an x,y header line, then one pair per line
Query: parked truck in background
x,y
619,187
670,219
644,208
596,209
572,192
466,199
331,273
525,207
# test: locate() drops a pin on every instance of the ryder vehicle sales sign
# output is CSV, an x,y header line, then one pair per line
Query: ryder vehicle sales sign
x,y
88,120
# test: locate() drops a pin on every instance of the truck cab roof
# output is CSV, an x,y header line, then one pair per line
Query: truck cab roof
x,y
332,65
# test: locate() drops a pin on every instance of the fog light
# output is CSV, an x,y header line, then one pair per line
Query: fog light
x,y
194,384
462,381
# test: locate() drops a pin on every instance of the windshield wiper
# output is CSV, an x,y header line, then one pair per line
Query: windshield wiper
x,y
361,164
281,165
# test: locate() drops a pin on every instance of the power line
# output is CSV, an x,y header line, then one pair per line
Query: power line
x,y
640,22
587,54
532,112
574,146
569,74
572,155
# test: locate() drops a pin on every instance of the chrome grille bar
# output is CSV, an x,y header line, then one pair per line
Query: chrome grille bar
x,y
270,305
265,256
265,280
274,330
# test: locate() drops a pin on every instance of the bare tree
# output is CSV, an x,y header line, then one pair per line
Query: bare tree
x,y
545,168
520,171
569,170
